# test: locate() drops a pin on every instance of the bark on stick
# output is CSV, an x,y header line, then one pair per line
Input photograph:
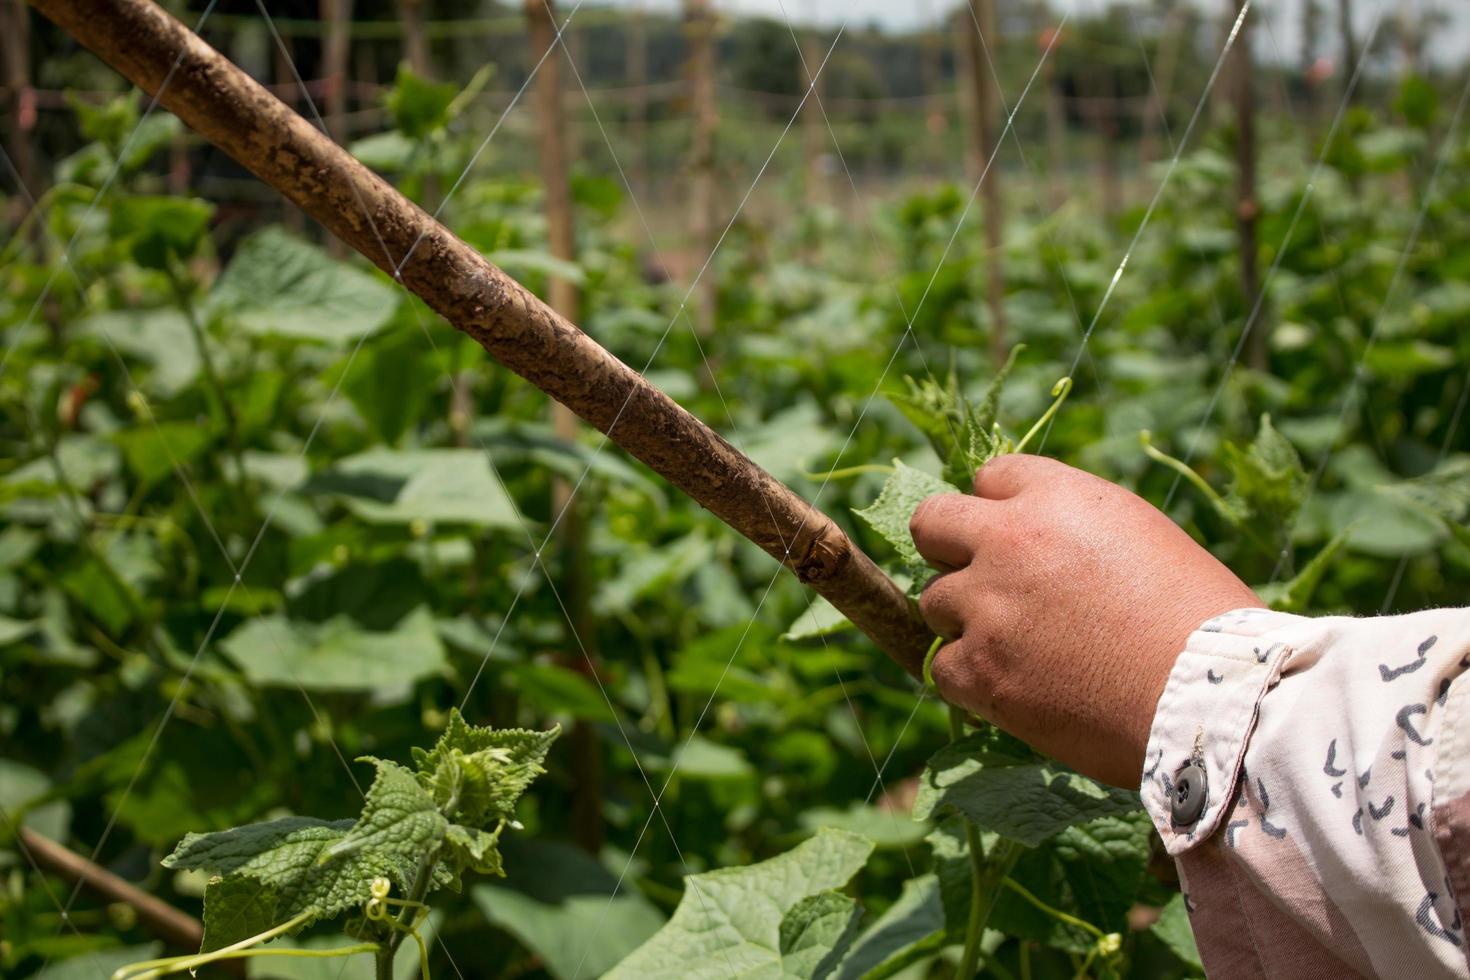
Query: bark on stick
x,y
227,107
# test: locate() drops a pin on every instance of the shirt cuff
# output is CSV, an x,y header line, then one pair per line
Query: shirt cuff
x,y
1204,720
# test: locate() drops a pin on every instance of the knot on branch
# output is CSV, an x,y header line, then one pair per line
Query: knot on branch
x,y
821,554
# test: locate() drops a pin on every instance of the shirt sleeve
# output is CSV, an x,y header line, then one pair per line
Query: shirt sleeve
x,y
1311,778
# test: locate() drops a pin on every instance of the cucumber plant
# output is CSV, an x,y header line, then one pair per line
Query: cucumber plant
x,y
1014,828
420,829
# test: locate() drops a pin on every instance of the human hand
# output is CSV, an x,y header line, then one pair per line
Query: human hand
x,y
1065,600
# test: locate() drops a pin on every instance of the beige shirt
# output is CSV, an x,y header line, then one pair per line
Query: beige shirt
x,y
1335,836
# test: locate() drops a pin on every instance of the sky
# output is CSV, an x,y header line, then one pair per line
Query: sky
x,y
1449,46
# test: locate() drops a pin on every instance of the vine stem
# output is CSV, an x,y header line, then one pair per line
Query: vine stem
x,y
987,871
412,902
212,379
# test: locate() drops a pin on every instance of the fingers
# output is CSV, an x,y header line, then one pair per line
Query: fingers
x,y
940,606
1008,476
958,676
943,529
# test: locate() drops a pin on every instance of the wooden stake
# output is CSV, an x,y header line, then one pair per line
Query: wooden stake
x,y
160,918
814,129
699,24
1155,113
587,821
1349,46
336,49
1246,207
415,43
228,108
15,46
1056,123
979,27
636,66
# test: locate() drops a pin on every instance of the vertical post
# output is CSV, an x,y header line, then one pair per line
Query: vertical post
x,y
15,45
930,55
814,137
1311,25
415,42
1349,46
336,48
699,24
1246,207
1409,38
1056,120
551,130
980,31
1102,109
636,68
1155,112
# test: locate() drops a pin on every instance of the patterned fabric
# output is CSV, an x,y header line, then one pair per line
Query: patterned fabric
x,y
1335,837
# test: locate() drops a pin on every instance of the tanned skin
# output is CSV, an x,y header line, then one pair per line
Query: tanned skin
x,y
1064,601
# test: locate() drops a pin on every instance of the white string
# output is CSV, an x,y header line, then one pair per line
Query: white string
x,y
1281,251
735,653
1446,147
1163,184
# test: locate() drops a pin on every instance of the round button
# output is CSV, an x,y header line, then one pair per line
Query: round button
x,y
1188,799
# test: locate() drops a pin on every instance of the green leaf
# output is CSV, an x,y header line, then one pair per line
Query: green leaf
x,y
1103,863
160,230
159,337
913,928
819,620
99,964
886,828
560,692
152,451
652,571
236,908
418,106
1174,930
1407,358
485,769
1025,800
1268,483
438,486
729,921
338,655
570,912
274,871
279,284
1295,595
391,381
816,933
20,789
890,514
400,823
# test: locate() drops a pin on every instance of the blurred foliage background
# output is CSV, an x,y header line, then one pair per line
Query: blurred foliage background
x,y
265,513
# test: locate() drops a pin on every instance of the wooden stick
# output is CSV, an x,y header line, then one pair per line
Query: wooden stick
x,y
232,111
576,588
984,105
160,918
1257,352
699,28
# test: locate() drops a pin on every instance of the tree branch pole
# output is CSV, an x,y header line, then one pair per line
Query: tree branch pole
x,y
699,27
232,111
985,106
587,820
1246,207
160,918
